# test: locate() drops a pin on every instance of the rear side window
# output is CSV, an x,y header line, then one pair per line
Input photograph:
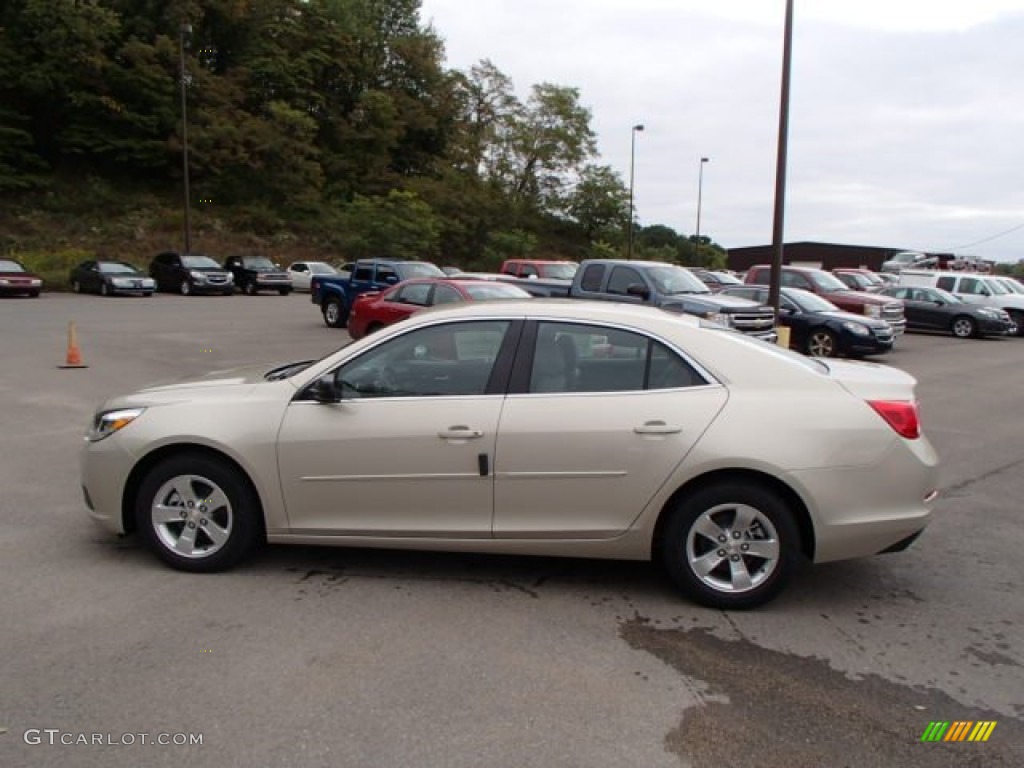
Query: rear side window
x,y
417,293
363,272
946,283
592,277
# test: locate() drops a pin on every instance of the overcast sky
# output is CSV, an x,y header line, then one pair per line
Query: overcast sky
x,y
906,116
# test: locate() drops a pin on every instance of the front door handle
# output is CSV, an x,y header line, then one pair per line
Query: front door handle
x,y
460,433
657,428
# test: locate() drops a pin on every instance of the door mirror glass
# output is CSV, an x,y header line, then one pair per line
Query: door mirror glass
x,y
324,390
639,290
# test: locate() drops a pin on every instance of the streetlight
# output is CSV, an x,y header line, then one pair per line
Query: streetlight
x,y
700,190
632,159
185,29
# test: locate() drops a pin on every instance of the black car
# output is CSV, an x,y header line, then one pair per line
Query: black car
x,y
190,273
258,273
819,328
109,278
933,309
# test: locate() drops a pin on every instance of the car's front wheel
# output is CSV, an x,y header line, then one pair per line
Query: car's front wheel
x,y
250,288
731,545
185,287
104,289
1016,323
334,313
963,327
821,343
197,513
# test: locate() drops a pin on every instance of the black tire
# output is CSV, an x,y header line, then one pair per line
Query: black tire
x,y
235,513
335,314
76,287
147,294
716,508
1018,320
185,288
33,294
821,342
284,291
249,287
104,290
963,327
373,328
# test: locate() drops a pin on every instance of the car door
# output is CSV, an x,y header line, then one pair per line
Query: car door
x,y
408,449
596,420
928,309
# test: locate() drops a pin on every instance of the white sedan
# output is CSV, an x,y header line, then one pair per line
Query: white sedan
x,y
569,428
301,272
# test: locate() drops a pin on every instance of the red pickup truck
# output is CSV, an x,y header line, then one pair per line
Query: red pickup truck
x,y
832,288
560,270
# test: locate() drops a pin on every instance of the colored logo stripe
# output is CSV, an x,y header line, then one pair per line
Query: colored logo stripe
x,y
958,730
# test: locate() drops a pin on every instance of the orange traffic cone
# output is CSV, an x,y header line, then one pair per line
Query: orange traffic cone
x,y
74,356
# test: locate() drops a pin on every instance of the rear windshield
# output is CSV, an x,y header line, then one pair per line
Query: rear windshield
x,y
199,262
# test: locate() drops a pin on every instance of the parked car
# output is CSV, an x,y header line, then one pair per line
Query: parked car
x,y
933,309
818,327
984,290
109,278
660,285
909,260
859,279
190,273
716,281
832,288
335,294
15,280
301,273
372,311
253,274
559,270
583,429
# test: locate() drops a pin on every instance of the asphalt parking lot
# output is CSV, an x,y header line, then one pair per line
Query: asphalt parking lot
x,y
311,657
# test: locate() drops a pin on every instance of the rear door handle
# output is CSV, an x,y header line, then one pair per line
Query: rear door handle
x,y
460,433
657,428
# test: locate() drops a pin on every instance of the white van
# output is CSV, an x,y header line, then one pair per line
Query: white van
x,y
973,288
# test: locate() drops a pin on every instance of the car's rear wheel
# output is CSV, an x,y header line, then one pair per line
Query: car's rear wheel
x,y
334,313
963,327
731,545
821,343
185,288
197,513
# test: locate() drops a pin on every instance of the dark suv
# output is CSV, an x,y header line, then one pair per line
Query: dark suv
x,y
258,273
189,273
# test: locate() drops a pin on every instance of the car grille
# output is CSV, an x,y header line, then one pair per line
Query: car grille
x,y
893,315
753,322
217,279
884,335
273,278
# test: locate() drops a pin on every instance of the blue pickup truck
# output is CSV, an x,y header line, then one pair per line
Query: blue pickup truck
x,y
335,294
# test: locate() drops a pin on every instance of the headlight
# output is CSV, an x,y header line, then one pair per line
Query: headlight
x,y
35,283
872,310
719,317
4,282
857,328
991,312
109,422
231,277
199,277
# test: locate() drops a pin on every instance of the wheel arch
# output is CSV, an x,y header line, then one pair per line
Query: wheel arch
x,y
150,460
802,516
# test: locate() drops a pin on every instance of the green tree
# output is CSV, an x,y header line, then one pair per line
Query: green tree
x,y
599,203
398,225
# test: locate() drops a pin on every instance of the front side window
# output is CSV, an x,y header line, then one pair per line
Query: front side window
x,y
622,278
572,357
449,359
386,274
946,283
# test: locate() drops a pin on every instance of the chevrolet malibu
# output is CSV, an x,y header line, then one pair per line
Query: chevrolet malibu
x,y
580,429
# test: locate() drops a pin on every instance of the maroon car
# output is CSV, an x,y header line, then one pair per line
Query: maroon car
x,y
15,280
379,308
832,288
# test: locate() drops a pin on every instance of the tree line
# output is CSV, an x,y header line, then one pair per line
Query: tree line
x,y
330,115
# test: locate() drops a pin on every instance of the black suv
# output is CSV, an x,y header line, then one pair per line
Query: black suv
x,y
258,273
189,273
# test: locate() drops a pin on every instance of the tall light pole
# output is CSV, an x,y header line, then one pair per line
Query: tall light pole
x,y
185,29
775,276
700,190
632,159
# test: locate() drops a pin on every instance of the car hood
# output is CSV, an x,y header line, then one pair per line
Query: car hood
x,y
872,381
23,275
233,383
862,319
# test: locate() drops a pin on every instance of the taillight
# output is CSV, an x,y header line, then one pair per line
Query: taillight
x,y
901,415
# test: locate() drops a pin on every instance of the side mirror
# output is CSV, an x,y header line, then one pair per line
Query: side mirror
x,y
324,390
787,311
638,290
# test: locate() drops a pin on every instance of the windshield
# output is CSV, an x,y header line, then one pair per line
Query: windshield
x,y
199,262
810,302
826,282
258,263
1011,285
418,269
558,271
117,268
494,291
997,288
676,280
6,265
726,279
